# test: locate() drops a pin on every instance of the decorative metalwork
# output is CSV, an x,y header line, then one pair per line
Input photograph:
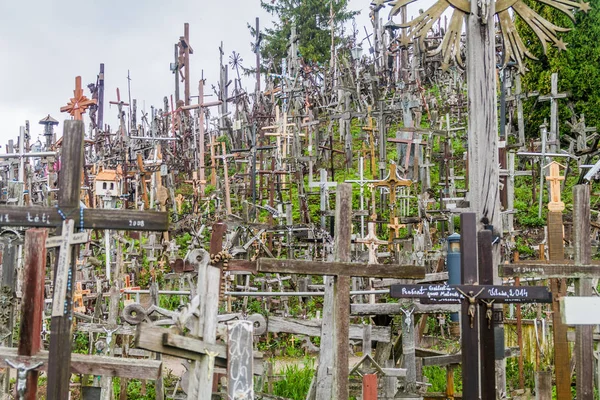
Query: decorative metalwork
x,y
515,49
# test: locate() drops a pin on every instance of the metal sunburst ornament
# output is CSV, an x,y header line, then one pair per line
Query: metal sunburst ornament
x,y
515,49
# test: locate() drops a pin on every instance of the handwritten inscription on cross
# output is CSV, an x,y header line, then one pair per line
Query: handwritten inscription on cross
x,y
78,103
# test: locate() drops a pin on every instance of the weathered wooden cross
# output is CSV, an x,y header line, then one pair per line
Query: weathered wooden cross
x,y
69,208
332,376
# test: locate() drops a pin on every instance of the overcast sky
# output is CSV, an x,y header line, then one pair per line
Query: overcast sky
x,y
44,44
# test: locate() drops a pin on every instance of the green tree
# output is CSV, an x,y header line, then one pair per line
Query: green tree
x,y
577,67
313,27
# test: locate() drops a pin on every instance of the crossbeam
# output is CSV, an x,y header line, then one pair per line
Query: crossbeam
x,y
271,265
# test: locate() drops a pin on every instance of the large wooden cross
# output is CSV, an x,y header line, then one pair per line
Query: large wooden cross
x,y
69,207
332,376
477,301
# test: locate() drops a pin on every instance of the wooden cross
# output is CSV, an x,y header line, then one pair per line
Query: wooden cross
x,y
553,139
332,377
477,312
518,97
120,103
393,181
69,208
555,204
78,103
559,270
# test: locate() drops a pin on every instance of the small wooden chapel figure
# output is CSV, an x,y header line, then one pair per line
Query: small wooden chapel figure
x,y
555,204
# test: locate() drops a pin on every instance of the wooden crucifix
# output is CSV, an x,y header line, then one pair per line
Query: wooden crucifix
x,y
332,376
78,103
477,301
69,207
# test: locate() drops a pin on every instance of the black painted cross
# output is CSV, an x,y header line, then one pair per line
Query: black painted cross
x,y
477,301
69,208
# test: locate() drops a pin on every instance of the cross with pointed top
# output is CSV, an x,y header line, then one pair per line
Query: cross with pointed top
x,y
78,103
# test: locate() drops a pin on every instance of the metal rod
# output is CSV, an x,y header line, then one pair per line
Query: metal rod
x,y
152,138
303,294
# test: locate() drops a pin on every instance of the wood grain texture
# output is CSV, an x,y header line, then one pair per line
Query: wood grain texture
x,y
91,365
394,308
469,334
341,289
33,302
69,184
271,265
562,358
97,218
313,328
549,270
486,331
584,343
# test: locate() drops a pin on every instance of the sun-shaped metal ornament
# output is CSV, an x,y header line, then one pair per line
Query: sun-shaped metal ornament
x,y
515,49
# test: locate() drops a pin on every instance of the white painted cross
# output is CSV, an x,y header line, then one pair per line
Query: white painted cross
x,y
68,239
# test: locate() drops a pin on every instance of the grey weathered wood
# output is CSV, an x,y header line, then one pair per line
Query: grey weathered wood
x,y
91,365
584,344
313,328
272,265
565,269
394,308
341,289
543,385
324,374
240,383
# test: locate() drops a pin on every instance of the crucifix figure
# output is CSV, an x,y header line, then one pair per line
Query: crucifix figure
x,y
78,103
22,371
408,317
489,312
472,302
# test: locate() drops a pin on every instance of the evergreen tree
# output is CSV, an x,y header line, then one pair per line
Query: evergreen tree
x,y
577,67
313,27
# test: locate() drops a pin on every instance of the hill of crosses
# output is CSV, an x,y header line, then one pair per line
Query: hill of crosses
x,y
404,210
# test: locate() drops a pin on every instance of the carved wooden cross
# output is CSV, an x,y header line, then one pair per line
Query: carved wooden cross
x,y
78,103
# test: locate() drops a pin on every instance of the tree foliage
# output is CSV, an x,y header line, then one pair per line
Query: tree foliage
x,y
313,27
577,67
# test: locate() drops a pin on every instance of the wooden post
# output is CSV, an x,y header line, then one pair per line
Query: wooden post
x,y
486,325
584,345
469,334
543,385
369,387
33,302
69,184
341,290
558,288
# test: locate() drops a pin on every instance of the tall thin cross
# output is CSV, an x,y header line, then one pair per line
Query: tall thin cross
x,y
553,139
78,103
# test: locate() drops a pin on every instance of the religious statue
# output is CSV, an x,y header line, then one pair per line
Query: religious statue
x,y
22,371
472,302
489,314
